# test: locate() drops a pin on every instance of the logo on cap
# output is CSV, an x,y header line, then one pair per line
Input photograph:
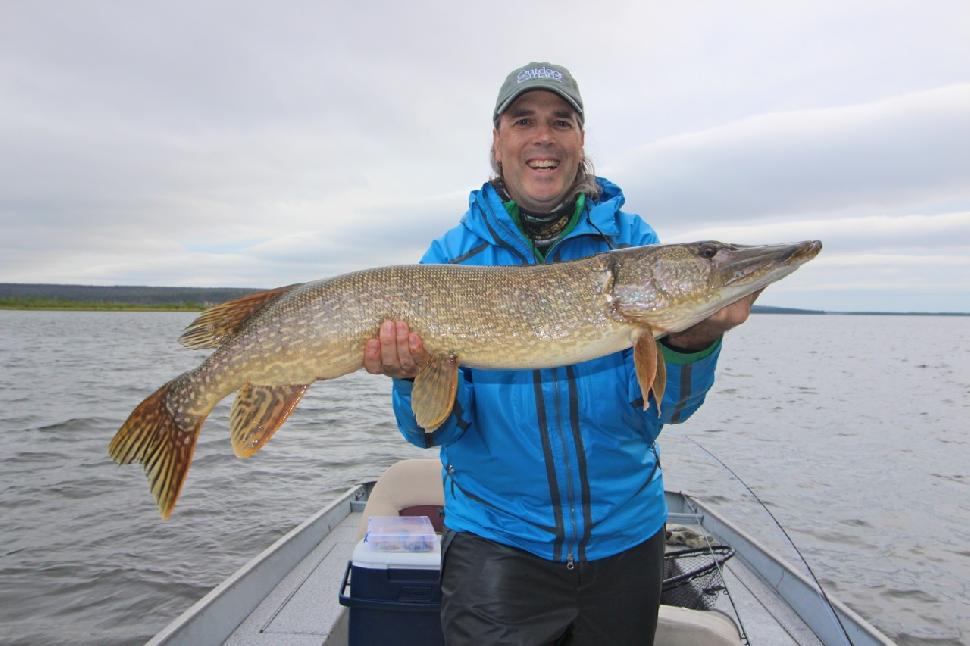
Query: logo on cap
x,y
538,73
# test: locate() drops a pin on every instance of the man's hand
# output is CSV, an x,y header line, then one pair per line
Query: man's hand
x,y
703,334
396,352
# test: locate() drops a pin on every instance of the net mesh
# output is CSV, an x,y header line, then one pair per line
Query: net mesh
x,y
692,578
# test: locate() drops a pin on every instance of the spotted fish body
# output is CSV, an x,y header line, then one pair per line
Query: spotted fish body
x,y
270,347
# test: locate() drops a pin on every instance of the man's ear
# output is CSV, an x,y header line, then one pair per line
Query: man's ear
x,y
495,147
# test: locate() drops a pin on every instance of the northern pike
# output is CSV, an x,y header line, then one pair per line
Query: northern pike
x,y
272,345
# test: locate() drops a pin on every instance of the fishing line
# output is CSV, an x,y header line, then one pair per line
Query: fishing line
x,y
783,531
724,582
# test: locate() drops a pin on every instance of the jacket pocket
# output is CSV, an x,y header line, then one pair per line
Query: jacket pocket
x,y
452,484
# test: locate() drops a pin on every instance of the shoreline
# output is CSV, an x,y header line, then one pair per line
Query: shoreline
x,y
44,305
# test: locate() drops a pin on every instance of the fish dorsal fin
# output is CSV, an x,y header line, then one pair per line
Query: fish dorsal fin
x,y
258,412
218,323
650,367
433,395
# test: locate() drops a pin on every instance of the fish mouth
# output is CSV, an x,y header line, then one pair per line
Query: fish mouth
x,y
751,267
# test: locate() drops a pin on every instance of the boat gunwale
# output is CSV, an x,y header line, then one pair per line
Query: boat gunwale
x,y
794,588
214,617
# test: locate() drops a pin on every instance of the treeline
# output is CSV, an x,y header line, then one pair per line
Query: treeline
x,y
43,295
770,309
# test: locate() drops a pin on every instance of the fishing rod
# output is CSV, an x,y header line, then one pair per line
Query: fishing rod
x,y
821,590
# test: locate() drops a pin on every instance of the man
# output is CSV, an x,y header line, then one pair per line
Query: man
x,y
553,493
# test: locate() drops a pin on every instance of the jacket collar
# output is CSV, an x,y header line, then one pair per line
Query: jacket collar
x,y
488,219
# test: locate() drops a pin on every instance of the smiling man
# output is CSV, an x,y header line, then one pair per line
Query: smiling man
x,y
538,145
554,503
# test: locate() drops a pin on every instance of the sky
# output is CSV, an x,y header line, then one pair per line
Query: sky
x,y
256,144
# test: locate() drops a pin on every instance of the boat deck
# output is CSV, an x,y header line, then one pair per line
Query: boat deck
x,y
767,619
303,609
288,595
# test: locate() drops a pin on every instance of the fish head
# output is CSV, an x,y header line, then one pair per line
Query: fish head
x,y
672,287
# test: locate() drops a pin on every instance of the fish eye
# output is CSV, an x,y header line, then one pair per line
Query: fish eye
x,y
707,250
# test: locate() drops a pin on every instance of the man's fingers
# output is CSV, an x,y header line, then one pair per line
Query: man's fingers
x,y
372,357
396,352
749,300
736,313
388,339
404,358
742,309
418,353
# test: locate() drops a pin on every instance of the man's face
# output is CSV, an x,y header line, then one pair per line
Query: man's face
x,y
539,144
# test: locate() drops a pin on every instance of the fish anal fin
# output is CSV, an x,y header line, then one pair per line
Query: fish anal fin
x,y
164,444
650,367
433,395
218,323
258,413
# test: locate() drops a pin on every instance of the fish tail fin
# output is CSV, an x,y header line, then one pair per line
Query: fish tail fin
x,y
162,441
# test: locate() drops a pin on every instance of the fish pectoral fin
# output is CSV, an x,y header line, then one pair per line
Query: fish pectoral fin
x,y
650,367
433,395
218,323
258,412
660,381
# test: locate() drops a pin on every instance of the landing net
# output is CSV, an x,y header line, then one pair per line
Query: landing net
x,y
692,577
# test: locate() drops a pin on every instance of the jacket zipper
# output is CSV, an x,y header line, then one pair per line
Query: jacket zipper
x,y
570,486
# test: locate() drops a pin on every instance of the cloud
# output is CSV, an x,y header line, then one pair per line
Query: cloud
x,y
172,145
934,233
893,155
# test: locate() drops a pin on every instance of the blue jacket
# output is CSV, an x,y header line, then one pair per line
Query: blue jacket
x,y
559,462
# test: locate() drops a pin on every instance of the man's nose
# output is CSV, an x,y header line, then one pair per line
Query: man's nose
x,y
543,134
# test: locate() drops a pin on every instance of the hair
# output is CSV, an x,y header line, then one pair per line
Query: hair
x,y
585,181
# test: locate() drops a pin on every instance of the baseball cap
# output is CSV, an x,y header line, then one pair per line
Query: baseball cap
x,y
539,76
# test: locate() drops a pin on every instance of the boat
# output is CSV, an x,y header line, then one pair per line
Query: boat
x,y
295,592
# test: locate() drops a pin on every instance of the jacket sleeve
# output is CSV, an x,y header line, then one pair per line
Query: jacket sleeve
x,y
460,419
689,378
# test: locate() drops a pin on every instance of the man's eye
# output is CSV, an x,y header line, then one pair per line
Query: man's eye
x,y
563,123
522,122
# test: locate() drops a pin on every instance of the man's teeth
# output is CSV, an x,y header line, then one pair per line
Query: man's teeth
x,y
545,163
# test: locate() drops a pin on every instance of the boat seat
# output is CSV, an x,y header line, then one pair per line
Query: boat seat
x,y
407,488
414,486
685,627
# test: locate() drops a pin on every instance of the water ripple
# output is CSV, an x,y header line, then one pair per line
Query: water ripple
x,y
87,559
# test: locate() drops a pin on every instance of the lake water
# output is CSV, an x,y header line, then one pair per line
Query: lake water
x,y
855,430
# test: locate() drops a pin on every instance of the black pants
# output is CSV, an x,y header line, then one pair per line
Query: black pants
x,y
497,595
